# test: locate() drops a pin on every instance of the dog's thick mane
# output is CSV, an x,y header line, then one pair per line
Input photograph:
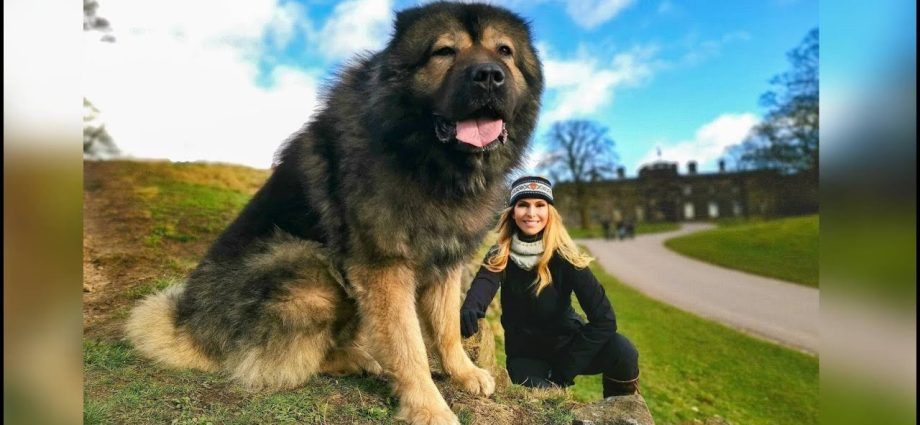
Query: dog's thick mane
x,y
403,137
370,100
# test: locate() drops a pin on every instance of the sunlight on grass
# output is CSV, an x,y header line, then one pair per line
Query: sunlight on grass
x,y
785,249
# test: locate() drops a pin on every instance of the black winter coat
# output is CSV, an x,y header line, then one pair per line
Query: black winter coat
x,y
547,327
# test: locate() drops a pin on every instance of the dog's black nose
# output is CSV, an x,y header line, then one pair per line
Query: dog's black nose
x,y
488,75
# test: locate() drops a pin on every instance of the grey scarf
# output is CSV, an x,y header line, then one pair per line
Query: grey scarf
x,y
525,254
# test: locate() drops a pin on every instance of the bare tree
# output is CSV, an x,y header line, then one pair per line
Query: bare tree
x,y
97,144
580,152
787,139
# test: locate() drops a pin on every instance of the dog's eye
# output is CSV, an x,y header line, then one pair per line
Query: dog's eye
x,y
444,51
504,50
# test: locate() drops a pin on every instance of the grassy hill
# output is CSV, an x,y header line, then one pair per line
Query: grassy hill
x,y
146,224
785,249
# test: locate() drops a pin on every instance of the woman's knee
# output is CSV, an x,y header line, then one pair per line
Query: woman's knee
x,y
626,356
625,348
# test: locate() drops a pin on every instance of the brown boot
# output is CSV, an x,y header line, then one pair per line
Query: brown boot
x,y
613,387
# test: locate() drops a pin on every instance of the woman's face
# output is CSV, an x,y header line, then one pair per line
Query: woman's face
x,y
530,215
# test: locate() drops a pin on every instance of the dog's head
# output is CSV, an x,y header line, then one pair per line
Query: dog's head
x,y
469,74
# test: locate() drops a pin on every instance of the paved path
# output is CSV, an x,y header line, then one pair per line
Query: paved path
x,y
769,308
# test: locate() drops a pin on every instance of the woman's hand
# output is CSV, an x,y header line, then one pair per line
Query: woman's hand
x,y
469,322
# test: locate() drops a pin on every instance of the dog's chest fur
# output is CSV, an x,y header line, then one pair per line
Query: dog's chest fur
x,y
428,231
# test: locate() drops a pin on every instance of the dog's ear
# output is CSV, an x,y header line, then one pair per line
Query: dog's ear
x,y
405,19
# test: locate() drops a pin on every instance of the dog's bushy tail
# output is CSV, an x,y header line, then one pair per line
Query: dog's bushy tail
x,y
152,329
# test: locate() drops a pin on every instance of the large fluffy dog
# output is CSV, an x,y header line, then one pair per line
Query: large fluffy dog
x,y
352,250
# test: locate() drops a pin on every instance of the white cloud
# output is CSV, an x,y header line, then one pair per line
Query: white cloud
x,y
583,85
699,51
591,13
709,141
285,20
197,21
355,26
180,81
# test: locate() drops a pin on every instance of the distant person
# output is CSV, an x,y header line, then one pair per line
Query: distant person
x,y
538,267
630,229
621,230
605,224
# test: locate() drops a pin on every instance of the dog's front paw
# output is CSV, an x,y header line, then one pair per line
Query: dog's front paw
x,y
476,381
431,414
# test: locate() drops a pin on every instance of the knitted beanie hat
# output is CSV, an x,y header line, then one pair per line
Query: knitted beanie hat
x,y
531,187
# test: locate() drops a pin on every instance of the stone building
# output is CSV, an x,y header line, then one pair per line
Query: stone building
x,y
660,193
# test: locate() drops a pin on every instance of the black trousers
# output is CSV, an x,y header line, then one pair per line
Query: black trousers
x,y
617,360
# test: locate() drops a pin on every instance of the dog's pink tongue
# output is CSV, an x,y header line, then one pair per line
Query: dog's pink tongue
x,y
479,132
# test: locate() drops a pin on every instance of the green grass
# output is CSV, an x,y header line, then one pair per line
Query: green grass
x,y
641,228
182,211
144,289
785,249
121,387
693,368
186,201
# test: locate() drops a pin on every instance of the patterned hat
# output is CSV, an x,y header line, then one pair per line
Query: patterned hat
x,y
531,187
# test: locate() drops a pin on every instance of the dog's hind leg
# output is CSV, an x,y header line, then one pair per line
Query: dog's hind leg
x,y
439,309
293,330
292,339
386,303
284,361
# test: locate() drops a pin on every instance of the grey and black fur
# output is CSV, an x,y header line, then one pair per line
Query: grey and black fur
x,y
366,203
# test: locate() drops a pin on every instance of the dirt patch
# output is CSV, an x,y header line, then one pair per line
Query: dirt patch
x,y
119,256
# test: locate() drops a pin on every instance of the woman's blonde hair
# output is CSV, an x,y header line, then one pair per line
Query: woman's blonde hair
x,y
555,239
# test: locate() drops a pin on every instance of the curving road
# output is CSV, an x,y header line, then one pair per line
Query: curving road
x,y
772,309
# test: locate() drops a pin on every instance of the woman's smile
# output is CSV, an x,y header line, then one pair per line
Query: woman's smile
x,y
530,215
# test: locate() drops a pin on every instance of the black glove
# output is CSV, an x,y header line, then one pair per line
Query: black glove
x,y
469,322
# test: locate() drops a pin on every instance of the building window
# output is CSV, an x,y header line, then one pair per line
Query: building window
x,y
688,211
640,214
712,189
688,190
713,209
736,208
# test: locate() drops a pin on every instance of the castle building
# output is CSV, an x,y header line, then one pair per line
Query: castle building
x,y
660,193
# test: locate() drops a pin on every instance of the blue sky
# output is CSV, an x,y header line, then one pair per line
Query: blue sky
x,y
229,83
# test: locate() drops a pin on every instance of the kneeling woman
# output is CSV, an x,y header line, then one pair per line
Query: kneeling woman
x,y
538,267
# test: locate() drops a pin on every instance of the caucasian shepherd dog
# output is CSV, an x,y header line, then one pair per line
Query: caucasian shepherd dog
x,y
349,259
